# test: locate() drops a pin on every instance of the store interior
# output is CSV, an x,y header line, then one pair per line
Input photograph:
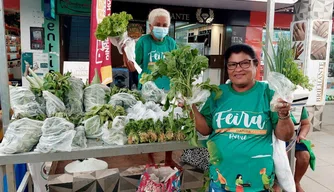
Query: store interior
x,y
13,46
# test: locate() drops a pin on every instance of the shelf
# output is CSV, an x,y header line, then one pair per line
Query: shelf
x,y
94,149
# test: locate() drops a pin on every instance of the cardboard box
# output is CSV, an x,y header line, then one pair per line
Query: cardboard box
x,y
123,179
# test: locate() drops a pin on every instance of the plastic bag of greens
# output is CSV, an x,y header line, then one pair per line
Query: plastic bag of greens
x,y
21,136
95,95
123,99
151,108
80,139
23,103
151,92
116,135
137,111
74,97
53,104
93,128
283,88
57,135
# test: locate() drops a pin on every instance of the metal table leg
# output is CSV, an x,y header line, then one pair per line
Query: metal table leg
x,y
2,174
11,183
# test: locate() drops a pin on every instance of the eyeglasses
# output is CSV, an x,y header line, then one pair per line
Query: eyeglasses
x,y
243,64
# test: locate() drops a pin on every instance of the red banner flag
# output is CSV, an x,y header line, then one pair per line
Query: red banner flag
x,y
100,51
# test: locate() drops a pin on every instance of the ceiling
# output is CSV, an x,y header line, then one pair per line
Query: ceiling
x,y
251,5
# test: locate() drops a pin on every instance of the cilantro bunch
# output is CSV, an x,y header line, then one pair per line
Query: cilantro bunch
x,y
113,26
183,66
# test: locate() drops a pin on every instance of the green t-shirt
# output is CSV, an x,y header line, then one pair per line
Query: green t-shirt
x,y
303,116
148,51
241,142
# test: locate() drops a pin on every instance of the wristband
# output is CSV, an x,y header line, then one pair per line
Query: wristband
x,y
285,117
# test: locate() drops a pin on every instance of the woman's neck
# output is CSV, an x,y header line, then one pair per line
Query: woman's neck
x,y
243,88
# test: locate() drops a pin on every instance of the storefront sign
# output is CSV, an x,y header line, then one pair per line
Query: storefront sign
x,y
78,69
317,58
180,16
74,7
100,51
187,14
203,17
51,30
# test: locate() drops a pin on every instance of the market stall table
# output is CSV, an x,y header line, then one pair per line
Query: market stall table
x,y
95,149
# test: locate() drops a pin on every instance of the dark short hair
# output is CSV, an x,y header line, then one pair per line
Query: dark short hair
x,y
239,175
241,48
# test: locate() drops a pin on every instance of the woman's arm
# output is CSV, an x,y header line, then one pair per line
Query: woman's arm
x,y
285,127
200,123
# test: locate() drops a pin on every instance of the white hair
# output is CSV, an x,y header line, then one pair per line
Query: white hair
x,y
158,13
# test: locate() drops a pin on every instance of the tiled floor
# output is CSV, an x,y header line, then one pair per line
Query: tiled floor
x,y
322,179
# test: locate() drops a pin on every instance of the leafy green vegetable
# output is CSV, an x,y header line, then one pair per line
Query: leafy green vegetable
x,y
182,66
131,132
54,82
106,113
113,26
283,62
115,90
76,119
160,131
153,136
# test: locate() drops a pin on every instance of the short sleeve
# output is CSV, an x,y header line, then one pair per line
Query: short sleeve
x,y
304,114
273,115
207,110
139,52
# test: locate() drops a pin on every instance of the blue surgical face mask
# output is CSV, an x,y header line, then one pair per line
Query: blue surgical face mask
x,y
160,32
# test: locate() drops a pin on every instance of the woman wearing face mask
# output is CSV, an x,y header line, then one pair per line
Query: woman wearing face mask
x,y
151,47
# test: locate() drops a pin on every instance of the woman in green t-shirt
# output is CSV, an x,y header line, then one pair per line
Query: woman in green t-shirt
x,y
240,124
151,47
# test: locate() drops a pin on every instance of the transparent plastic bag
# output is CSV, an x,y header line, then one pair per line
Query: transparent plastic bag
x,y
57,135
80,139
116,135
154,111
137,111
53,104
149,110
199,96
119,41
95,95
21,136
124,100
93,127
282,167
119,123
283,88
151,92
129,45
74,98
23,103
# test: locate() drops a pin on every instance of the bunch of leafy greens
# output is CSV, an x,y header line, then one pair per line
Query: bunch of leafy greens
x,y
148,131
115,90
182,66
283,62
96,93
106,113
113,26
54,82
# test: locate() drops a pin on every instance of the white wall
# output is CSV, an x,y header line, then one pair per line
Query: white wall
x,y
216,31
31,15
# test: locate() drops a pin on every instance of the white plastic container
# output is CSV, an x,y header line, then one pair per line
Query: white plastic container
x,y
87,165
